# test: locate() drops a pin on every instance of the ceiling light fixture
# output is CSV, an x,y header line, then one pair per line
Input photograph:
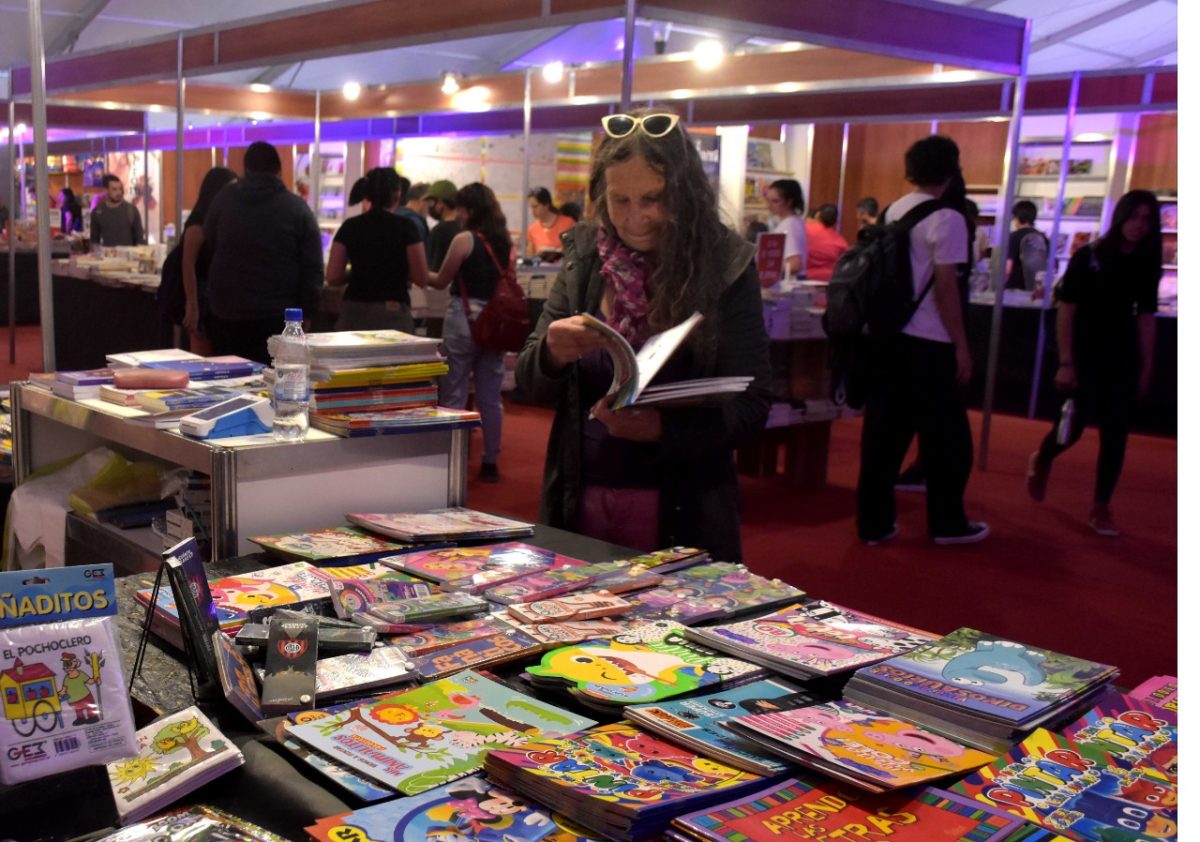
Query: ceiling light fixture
x,y
351,91
22,128
260,88
449,83
472,99
709,54
553,72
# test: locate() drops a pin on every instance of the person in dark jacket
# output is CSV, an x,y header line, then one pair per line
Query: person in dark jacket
x,y
266,257
196,259
649,477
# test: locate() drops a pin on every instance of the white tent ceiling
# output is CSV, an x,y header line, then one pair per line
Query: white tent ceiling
x,y
1067,35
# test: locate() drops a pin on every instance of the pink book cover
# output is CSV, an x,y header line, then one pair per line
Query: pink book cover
x,y
1161,691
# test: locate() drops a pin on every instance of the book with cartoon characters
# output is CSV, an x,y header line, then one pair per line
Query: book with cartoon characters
x,y
549,583
1161,691
333,546
417,739
352,595
435,638
814,639
176,754
810,809
475,569
858,745
492,651
696,722
1048,780
472,809
617,779
712,591
980,681
654,661
453,524
1130,733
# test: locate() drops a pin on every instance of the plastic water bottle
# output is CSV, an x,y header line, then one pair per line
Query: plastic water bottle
x,y
1064,422
291,379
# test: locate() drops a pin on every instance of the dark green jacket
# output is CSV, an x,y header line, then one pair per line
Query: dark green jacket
x,y
699,502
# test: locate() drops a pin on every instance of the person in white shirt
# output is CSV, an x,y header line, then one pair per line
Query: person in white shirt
x,y
785,200
917,376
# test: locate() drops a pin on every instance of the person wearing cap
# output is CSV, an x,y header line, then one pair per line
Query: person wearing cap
x,y
440,199
416,216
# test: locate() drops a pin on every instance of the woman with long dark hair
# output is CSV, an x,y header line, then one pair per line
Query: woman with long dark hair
x,y
72,211
785,200
549,224
196,259
1106,309
471,269
385,253
640,476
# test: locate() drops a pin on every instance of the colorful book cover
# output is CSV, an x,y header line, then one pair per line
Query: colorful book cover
x,y
560,633
799,808
981,672
422,609
820,638
474,569
190,824
654,661
319,545
442,637
290,677
1161,691
175,755
472,809
484,652
356,671
622,767
588,605
862,743
441,524
350,596
698,719
666,560
545,584
1130,733
711,591
237,677
1047,780
421,738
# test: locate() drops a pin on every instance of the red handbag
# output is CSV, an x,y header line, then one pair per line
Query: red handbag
x,y
503,323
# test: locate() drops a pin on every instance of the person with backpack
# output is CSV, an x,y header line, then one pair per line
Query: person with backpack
x,y
115,222
918,359
1028,248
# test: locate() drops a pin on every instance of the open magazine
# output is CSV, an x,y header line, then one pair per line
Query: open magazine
x,y
632,372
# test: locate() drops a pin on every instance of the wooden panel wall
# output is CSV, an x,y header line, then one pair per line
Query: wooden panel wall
x,y
826,164
875,166
196,162
1156,159
981,147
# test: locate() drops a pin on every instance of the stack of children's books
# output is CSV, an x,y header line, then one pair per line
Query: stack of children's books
x,y
334,546
388,422
711,591
478,569
980,689
453,524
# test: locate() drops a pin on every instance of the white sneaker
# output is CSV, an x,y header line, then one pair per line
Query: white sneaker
x,y
975,532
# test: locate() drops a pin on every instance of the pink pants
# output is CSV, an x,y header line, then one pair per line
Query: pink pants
x,y
626,516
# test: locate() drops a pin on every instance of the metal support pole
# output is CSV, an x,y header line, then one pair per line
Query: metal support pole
x,y
180,96
842,172
314,165
24,185
37,66
1011,156
627,54
528,111
10,177
146,175
1052,266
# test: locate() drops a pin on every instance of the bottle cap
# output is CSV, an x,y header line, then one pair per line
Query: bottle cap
x,y
293,314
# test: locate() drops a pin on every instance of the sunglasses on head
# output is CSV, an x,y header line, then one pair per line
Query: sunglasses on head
x,y
654,125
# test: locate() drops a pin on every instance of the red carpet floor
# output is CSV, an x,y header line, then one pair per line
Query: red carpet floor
x,y
1043,577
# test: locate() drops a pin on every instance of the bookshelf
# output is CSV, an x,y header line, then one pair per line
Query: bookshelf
x,y
1168,286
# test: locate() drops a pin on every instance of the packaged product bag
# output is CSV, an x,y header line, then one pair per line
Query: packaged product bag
x,y
62,690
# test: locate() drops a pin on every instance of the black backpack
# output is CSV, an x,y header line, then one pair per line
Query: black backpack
x,y
871,290
171,299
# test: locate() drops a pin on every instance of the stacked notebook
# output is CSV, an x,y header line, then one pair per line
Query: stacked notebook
x,y
332,547
859,746
453,524
617,780
980,689
816,639
654,661
393,421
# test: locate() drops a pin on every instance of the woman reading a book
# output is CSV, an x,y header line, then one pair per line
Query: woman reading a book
x,y
1107,302
640,476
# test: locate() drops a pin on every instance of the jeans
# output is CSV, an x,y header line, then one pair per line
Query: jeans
x,y
466,360
913,392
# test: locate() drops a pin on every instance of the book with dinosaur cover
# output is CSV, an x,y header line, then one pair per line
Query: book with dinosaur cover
x,y
453,524
332,546
654,661
176,755
979,687
1130,733
809,809
1047,780
617,779
711,591
696,722
421,738
860,746
816,639
475,569
472,809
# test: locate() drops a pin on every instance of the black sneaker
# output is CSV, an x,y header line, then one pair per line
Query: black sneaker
x,y
489,472
973,534
879,539
911,479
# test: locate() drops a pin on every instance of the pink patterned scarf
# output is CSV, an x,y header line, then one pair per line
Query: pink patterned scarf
x,y
625,272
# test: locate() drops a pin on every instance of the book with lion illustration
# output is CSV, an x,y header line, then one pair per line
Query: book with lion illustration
x,y
176,755
417,739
